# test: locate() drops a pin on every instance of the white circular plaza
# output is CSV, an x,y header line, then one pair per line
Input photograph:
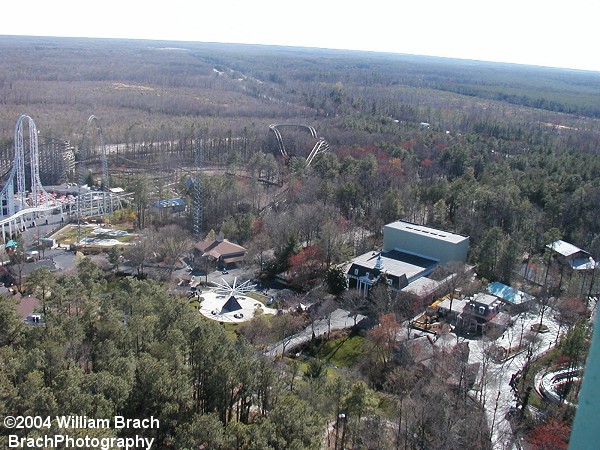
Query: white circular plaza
x,y
231,308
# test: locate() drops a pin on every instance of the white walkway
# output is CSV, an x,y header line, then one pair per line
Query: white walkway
x,y
496,381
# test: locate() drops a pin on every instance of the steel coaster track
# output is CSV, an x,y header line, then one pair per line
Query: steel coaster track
x,y
17,203
85,152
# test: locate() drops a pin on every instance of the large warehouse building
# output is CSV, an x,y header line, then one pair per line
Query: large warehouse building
x,y
410,253
420,240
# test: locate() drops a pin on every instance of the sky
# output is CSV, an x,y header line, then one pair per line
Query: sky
x,y
537,32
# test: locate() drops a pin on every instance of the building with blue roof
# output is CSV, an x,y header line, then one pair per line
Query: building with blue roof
x,y
509,295
173,205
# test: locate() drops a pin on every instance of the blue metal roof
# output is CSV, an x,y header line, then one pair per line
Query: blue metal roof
x,y
169,203
508,294
12,244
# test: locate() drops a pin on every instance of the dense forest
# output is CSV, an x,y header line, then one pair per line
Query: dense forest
x,y
505,154
527,168
128,348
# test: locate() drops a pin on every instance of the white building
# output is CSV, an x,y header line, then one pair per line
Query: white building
x,y
410,253
420,240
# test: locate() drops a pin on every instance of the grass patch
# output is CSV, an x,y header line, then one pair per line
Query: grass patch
x,y
376,400
541,364
546,360
384,403
344,351
68,234
230,330
330,372
257,296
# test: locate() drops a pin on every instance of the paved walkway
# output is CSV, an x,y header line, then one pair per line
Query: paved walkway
x,y
499,396
340,319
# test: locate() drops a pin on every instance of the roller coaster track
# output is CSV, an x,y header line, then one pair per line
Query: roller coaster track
x,y
15,200
138,164
85,152
320,147
17,205
28,211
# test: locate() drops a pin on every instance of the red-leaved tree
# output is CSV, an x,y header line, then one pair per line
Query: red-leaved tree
x,y
385,337
551,435
306,265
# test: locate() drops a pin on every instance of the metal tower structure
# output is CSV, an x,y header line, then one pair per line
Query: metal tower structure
x,y
321,146
197,212
85,152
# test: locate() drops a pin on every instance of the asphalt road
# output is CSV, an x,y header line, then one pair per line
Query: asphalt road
x,y
58,258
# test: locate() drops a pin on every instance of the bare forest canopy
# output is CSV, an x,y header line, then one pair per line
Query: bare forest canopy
x,y
483,149
130,79
506,154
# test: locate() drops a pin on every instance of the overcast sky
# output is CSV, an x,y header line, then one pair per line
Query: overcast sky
x,y
539,32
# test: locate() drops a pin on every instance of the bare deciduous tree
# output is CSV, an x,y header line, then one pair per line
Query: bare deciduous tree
x,y
173,242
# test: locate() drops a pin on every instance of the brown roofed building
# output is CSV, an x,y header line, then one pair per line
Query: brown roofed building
x,y
225,253
26,307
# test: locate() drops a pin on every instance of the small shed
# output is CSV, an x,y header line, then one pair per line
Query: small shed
x,y
173,205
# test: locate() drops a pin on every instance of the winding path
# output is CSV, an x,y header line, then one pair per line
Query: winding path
x,y
340,319
499,396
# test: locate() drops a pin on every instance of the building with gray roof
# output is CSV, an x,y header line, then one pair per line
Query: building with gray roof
x,y
572,256
431,243
410,253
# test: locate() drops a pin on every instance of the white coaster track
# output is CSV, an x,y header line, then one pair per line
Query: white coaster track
x,y
20,207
